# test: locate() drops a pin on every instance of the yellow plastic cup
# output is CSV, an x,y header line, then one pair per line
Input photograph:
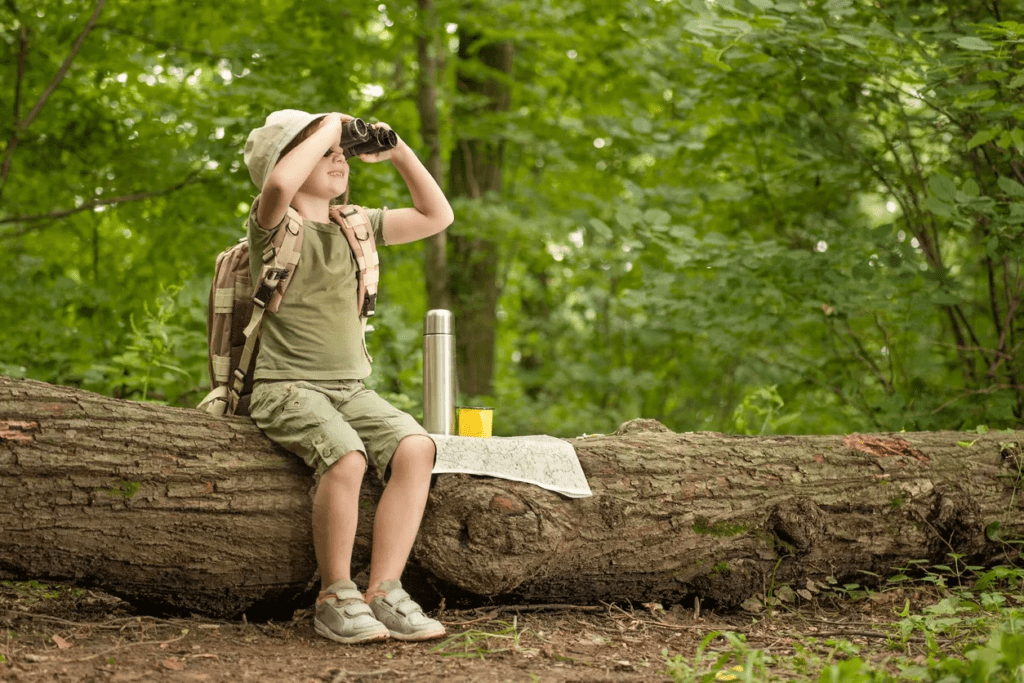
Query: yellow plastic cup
x,y
473,421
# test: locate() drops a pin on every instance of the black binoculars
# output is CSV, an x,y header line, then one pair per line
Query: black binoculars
x,y
359,138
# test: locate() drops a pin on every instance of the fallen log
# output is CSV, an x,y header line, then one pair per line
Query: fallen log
x,y
177,510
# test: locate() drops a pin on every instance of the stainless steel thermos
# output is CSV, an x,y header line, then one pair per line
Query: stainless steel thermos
x,y
439,372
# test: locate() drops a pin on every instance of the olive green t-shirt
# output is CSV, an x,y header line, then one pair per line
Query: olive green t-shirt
x,y
316,334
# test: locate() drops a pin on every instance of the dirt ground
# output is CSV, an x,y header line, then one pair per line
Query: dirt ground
x,y
66,634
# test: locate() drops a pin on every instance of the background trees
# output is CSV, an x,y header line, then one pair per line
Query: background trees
x,y
747,216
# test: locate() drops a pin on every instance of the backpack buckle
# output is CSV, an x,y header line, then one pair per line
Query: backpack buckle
x,y
369,305
268,286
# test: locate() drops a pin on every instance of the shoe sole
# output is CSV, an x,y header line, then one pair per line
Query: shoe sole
x,y
348,640
416,637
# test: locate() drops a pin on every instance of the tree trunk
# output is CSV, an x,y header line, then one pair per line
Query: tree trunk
x,y
183,511
476,168
436,257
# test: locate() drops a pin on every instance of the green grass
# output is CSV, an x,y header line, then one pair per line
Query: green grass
x,y
477,644
966,626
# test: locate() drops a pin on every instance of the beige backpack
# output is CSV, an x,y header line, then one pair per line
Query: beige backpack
x,y
236,309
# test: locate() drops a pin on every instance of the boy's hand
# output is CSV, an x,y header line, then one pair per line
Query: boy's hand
x,y
389,154
334,118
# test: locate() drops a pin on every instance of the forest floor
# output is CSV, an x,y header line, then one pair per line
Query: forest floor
x,y
70,634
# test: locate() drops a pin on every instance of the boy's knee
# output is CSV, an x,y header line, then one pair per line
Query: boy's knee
x,y
414,453
348,468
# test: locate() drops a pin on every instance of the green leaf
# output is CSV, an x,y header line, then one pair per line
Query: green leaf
x,y
852,40
712,57
973,43
943,187
737,25
1011,187
992,75
1017,81
657,217
970,188
938,207
983,136
642,125
601,228
1017,137
627,216
762,4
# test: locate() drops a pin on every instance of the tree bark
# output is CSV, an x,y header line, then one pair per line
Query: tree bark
x,y
186,512
475,168
435,257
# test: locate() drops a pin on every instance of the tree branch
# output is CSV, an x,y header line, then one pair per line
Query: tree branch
x,y
993,297
863,356
12,144
1012,305
22,125
975,392
21,73
62,71
63,213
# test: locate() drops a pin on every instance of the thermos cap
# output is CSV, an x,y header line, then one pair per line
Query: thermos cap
x,y
439,321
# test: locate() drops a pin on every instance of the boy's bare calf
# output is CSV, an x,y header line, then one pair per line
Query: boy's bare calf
x,y
336,512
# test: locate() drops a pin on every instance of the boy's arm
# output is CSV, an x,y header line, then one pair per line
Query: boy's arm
x,y
430,213
291,171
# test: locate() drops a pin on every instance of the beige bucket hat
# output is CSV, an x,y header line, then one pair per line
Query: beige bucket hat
x,y
263,148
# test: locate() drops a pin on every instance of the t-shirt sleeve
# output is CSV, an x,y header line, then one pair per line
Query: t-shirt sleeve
x,y
376,217
258,237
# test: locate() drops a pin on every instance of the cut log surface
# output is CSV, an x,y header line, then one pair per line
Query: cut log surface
x,y
178,510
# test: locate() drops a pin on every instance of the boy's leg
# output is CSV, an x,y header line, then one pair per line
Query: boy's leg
x,y
394,531
341,614
400,510
335,515
300,416
398,446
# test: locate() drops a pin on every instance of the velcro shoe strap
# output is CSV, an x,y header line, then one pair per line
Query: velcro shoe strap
x,y
396,596
346,594
402,602
353,608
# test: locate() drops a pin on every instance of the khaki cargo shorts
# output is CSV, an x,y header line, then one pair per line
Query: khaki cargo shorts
x,y
322,421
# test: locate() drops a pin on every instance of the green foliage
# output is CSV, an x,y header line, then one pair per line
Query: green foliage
x,y
477,643
745,215
739,662
33,591
972,632
151,360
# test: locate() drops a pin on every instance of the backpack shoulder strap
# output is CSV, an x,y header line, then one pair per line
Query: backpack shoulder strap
x,y
355,225
280,259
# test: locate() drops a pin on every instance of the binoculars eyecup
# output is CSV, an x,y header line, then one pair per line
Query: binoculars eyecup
x,y
353,132
375,140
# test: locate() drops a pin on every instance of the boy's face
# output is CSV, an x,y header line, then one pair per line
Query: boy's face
x,y
329,178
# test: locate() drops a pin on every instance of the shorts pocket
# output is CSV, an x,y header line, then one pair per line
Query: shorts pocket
x,y
271,400
294,400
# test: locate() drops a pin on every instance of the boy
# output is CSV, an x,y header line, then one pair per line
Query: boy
x,y
308,392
